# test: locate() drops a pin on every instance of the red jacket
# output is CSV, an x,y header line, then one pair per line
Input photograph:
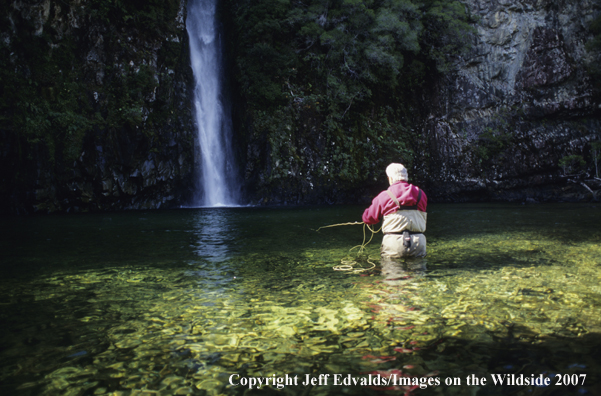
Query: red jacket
x,y
383,205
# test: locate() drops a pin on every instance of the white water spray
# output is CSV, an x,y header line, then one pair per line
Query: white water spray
x,y
218,171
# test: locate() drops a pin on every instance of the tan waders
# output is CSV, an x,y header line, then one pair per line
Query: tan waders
x,y
394,245
403,232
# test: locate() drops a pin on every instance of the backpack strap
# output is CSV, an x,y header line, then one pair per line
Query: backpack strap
x,y
391,195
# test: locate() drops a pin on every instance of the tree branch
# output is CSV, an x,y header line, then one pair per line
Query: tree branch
x,y
588,188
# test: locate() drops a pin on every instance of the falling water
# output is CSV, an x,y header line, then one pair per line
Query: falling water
x,y
218,178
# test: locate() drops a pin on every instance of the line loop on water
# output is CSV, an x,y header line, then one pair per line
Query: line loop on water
x,y
348,263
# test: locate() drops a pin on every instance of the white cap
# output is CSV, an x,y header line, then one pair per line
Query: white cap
x,y
397,172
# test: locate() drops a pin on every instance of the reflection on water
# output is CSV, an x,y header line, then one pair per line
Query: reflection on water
x,y
396,269
176,302
214,232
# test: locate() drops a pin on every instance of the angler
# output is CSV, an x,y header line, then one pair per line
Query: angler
x,y
403,208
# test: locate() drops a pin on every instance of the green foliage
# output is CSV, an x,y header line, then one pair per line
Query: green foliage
x,y
491,143
42,99
127,95
151,16
448,31
56,101
571,163
490,147
347,47
343,74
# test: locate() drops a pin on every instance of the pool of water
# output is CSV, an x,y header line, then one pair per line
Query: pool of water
x,y
209,301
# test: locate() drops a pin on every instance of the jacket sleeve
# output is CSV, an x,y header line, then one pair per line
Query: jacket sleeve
x,y
373,214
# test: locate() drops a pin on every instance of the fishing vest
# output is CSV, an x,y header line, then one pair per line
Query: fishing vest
x,y
407,218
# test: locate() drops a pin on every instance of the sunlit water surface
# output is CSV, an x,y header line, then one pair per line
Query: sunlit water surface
x,y
175,302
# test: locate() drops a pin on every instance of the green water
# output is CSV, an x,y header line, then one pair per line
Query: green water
x,y
175,302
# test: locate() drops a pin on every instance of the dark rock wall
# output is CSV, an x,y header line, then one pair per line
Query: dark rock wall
x,y
519,103
132,143
497,127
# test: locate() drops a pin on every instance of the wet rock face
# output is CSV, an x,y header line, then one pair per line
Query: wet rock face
x,y
546,61
127,139
519,103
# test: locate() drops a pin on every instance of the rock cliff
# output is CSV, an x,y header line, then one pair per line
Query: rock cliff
x,y
518,105
95,105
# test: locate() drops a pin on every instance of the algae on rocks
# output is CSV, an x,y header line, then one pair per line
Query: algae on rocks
x,y
238,291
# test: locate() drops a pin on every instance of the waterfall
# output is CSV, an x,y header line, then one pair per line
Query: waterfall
x,y
217,165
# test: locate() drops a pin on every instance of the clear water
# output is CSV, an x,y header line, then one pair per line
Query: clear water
x,y
175,302
212,111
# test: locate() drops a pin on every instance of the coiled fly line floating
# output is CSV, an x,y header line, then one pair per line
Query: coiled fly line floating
x,y
349,263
